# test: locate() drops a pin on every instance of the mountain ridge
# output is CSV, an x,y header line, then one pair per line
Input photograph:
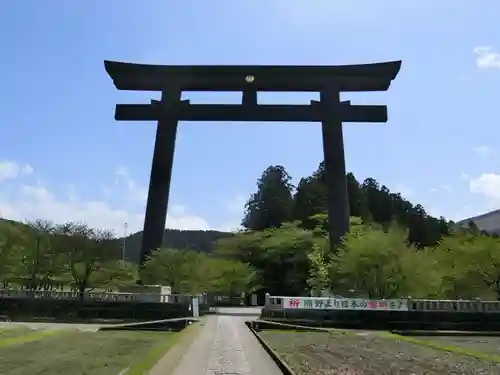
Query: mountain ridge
x,y
204,240
489,221
197,240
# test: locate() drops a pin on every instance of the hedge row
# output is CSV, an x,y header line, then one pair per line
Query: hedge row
x,y
66,310
387,320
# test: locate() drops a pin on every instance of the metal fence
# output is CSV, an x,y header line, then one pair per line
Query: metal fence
x,y
476,305
100,296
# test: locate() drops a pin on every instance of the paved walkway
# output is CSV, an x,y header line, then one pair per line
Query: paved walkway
x,y
225,346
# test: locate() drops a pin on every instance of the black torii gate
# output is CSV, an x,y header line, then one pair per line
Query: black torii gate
x,y
329,81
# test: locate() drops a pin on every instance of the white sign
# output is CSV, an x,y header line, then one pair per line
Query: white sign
x,y
196,307
322,303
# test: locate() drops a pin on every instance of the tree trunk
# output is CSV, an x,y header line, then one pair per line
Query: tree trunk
x,y
81,291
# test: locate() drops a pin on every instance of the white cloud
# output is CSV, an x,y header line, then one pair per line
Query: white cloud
x,y
37,201
231,227
10,170
482,151
27,169
487,58
235,206
135,192
487,184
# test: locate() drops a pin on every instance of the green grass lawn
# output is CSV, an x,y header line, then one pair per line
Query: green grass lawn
x,y
8,333
20,336
85,353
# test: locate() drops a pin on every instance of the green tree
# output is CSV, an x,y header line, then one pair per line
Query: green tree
x,y
233,278
171,267
11,248
115,274
272,204
165,267
319,278
188,271
310,198
358,203
86,251
379,264
42,266
321,224
279,256
469,264
484,263
202,271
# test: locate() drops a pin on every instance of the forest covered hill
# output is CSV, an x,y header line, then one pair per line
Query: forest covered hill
x,y
198,240
203,241
277,201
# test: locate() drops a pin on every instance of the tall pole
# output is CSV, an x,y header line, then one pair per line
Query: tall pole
x,y
125,227
161,174
335,170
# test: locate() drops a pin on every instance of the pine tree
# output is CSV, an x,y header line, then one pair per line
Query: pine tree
x,y
272,204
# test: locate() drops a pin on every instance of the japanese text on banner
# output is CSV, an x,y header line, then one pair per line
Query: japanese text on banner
x,y
344,304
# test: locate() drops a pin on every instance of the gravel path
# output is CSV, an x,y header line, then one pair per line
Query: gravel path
x,y
318,353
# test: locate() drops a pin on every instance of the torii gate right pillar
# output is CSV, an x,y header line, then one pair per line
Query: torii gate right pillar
x,y
335,169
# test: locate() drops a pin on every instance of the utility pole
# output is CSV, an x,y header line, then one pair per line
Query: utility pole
x,y
125,227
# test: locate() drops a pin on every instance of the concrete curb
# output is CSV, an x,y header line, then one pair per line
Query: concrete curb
x,y
171,358
297,327
402,332
275,357
150,324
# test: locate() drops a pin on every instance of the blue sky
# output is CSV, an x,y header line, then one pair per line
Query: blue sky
x,y
63,157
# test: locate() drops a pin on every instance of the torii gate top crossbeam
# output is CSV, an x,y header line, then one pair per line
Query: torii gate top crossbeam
x,y
141,77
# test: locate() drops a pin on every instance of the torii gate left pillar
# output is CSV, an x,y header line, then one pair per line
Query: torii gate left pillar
x,y
161,173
